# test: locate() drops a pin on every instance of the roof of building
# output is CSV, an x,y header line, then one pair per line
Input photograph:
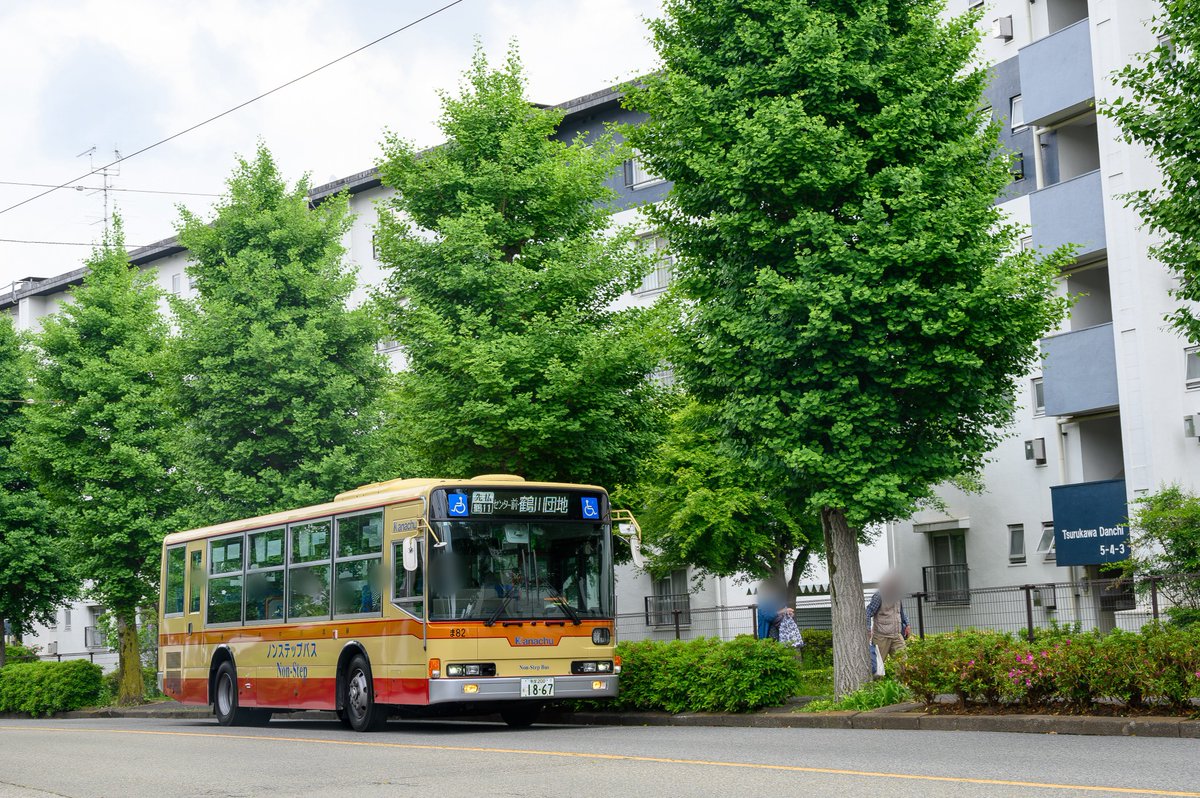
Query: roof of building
x,y
353,184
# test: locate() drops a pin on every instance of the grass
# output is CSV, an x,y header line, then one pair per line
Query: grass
x,y
816,681
874,695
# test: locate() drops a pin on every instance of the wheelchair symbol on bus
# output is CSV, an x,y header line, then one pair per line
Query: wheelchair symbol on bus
x,y
458,505
591,507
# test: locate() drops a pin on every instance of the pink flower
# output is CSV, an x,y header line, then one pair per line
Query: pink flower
x,y
972,662
1044,655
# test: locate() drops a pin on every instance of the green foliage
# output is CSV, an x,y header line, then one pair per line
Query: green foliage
x,y
1161,112
35,576
15,652
1166,546
98,437
517,363
278,380
818,648
705,675
873,695
702,505
44,688
858,308
816,682
1159,665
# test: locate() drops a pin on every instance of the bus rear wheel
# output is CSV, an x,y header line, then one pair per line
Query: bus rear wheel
x,y
225,701
521,716
362,713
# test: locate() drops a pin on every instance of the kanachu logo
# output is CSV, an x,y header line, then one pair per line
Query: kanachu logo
x,y
533,641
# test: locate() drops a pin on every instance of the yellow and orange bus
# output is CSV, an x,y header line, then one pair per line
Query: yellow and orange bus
x,y
409,597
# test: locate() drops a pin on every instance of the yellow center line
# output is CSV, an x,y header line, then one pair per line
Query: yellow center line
x,y
623,758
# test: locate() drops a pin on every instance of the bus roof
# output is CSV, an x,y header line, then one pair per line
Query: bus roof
x,y
373,495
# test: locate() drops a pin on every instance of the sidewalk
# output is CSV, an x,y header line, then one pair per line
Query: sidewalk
x,y
901,717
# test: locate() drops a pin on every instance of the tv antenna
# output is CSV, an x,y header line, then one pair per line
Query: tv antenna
x,y
107,173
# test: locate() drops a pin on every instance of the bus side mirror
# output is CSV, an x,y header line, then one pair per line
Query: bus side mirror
x,y
633,536
409,549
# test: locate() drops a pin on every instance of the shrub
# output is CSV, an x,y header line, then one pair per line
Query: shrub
x,y
1062,666
15,652
43,688
818,648
705,675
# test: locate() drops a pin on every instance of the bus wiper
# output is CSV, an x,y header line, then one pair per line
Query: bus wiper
x,y
508,594
563,605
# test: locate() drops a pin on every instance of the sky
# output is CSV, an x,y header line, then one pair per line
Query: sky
x,y
121,75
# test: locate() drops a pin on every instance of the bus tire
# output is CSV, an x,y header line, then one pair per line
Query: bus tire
x,y
225,701
343,718
362,713
521,716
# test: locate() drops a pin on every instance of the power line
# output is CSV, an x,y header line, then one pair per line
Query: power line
x,y
59,243
237,107
110,188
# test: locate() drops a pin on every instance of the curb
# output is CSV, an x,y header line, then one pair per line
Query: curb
x,y
901,717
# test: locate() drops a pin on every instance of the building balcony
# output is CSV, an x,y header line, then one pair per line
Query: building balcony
x,y
669,610
1079,371
1056,75
1070,212
946,584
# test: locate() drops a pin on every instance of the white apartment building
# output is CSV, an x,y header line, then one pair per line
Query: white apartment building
x,y
1113,412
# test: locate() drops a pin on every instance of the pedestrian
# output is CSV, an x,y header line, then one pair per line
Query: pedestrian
x,y
887,623
771,610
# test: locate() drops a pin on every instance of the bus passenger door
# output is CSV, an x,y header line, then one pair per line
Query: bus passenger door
x,y
195,653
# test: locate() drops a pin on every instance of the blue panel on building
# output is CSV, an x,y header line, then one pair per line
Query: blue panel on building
x,y
1079,371
1091,522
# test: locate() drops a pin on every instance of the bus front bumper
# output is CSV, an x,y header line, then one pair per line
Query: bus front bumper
x,y
493,688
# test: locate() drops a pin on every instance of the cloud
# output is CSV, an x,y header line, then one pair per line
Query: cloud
x,y
96,72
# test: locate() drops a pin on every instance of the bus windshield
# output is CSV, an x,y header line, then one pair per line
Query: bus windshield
x,y
496,571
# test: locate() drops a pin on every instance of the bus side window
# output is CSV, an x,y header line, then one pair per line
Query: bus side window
x,y
173,590
195,579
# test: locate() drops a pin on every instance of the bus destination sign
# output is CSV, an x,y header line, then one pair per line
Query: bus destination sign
x,y
508,503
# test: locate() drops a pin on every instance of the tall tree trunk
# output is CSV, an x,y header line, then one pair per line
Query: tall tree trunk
x,y
131,690
851,657
3,644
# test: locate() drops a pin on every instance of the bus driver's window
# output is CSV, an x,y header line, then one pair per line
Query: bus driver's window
x,y
408,587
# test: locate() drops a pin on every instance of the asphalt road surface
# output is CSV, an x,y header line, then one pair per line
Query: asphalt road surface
x,y
161,758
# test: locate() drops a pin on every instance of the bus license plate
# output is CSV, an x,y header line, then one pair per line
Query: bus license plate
x,y
537,688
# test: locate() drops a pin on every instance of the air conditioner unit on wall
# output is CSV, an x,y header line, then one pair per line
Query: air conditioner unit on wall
x,y
1002,29
52,648
1035,450
1191,426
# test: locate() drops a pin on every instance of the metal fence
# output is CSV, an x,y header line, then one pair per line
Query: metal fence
x,y
1103,604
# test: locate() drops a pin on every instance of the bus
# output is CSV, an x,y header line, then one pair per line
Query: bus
x,y
412,597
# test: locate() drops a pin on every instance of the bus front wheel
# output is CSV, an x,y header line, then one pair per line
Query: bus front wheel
x,y
225,701
362,713
521,716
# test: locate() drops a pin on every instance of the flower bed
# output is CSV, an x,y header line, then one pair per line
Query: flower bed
x,y
1159,667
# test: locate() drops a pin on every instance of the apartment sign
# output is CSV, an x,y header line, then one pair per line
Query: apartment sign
x,y
1091,523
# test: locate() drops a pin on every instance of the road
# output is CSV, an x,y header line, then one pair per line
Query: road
x,y
161,758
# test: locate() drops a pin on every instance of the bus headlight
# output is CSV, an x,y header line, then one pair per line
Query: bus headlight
x,y
601,636
592,666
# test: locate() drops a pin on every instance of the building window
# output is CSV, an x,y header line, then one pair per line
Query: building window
x,y
375,246
1038,390
638,176
1192,375
946,581
67,619
176,284
1016,544
669,596
1016,114
1017,167
660,275
1168,47
1026,243
1046,544
387,346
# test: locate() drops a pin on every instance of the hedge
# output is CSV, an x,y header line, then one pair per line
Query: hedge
x,y
818,648
704,675
1158,666
43,688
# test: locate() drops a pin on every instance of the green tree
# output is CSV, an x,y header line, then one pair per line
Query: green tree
x,y
858,310
1161,112
516,361
701,505
279,380
35,577
1166,546
97,437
